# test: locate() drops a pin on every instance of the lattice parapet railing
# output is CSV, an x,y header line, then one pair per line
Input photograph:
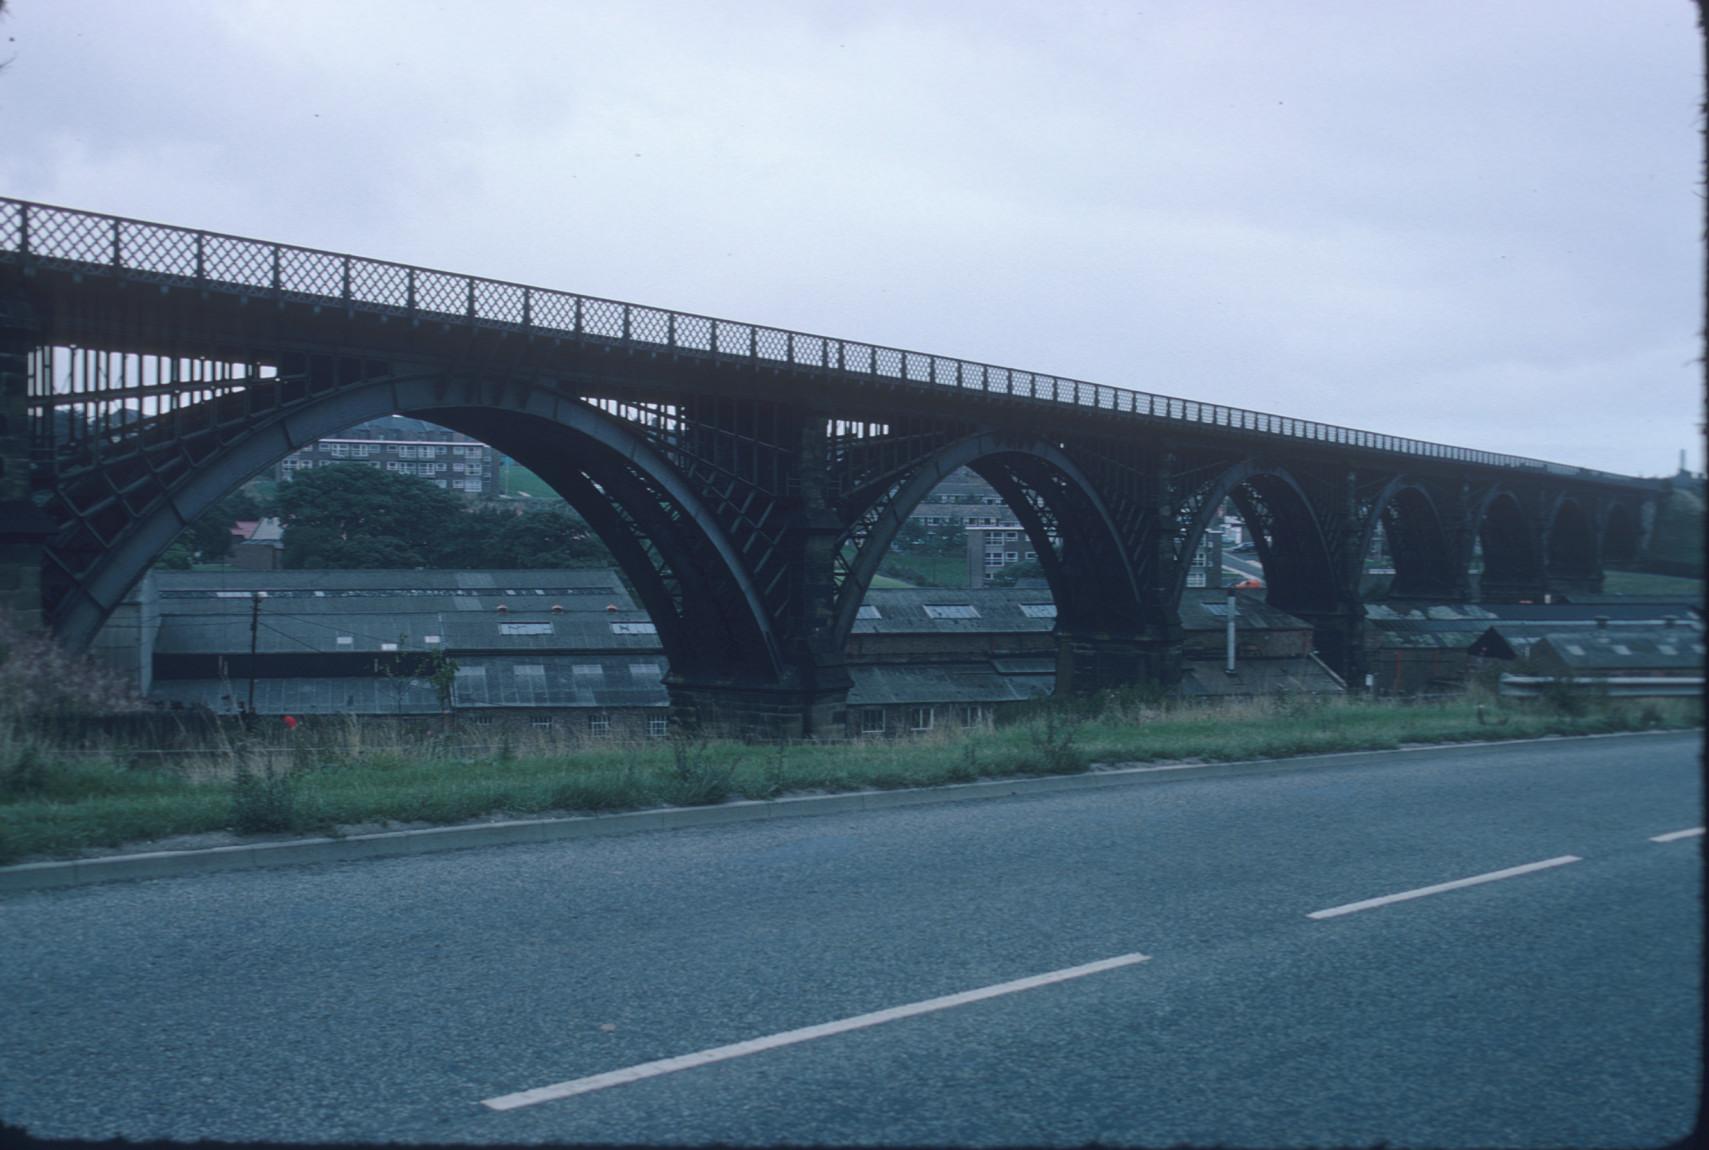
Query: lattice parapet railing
x,y
47,235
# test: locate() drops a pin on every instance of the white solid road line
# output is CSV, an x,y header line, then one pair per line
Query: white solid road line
x,y
1492,876
1669,837
804,1034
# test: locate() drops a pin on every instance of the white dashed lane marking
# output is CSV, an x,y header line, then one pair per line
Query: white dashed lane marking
x,y
790,1037
1403,896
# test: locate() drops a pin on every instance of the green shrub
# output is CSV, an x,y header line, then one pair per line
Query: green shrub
x,y
586,792
695,780
24,774
1052,737
262,801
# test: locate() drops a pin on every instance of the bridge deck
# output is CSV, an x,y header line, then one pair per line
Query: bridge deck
x,y
40,237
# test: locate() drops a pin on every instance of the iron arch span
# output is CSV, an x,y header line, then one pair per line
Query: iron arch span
x,y
686,573
1512,556
1407,514
1570,549
1299,573
1070,528
1620,534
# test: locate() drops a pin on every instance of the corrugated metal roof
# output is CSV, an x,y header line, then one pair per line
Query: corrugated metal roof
x,y
973,682
1005,609
291,626
580,581
1427,612
1204,611
1671,649
1585,613
560,681
1300,675
997,609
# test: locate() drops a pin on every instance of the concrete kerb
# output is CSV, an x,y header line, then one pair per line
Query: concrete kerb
x,y
390,844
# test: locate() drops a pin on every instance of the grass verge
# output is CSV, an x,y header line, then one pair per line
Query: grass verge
x,y
56,803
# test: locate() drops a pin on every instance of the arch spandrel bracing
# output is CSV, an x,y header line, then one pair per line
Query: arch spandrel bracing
x,y
155,368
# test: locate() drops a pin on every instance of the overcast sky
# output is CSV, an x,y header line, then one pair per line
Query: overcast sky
x,y
1475,222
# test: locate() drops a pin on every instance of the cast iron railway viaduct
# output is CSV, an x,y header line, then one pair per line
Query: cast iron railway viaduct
x,y
748,479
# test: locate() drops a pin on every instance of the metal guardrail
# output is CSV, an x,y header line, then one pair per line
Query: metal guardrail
x,y
1612,686
45,234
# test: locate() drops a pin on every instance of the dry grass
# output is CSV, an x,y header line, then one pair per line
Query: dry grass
x,y
57,799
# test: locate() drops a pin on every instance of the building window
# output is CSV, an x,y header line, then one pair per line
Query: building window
x,y
867,611
525,628
658,728
599,725
951,611
1039,610
919,718
972,715
872,721
531,682
634,629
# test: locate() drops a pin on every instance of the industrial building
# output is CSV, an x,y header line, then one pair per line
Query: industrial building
x,y
571,649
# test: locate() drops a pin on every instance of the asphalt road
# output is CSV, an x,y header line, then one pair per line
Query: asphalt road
x,y
389,999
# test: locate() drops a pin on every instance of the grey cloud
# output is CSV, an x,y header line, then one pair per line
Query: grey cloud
x,y
1452,220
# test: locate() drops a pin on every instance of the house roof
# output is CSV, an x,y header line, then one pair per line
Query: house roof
x,y
186,584
1206,610
1464,626
971,682
224,627
1629,649
995,609
561,681
1287,676
1017,609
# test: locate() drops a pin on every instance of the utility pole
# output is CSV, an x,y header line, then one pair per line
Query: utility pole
x,y
1229,610
254,629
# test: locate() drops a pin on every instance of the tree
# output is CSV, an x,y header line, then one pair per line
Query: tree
x,y
1014,572
210,535
176,557
353,515
910,535
555,538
